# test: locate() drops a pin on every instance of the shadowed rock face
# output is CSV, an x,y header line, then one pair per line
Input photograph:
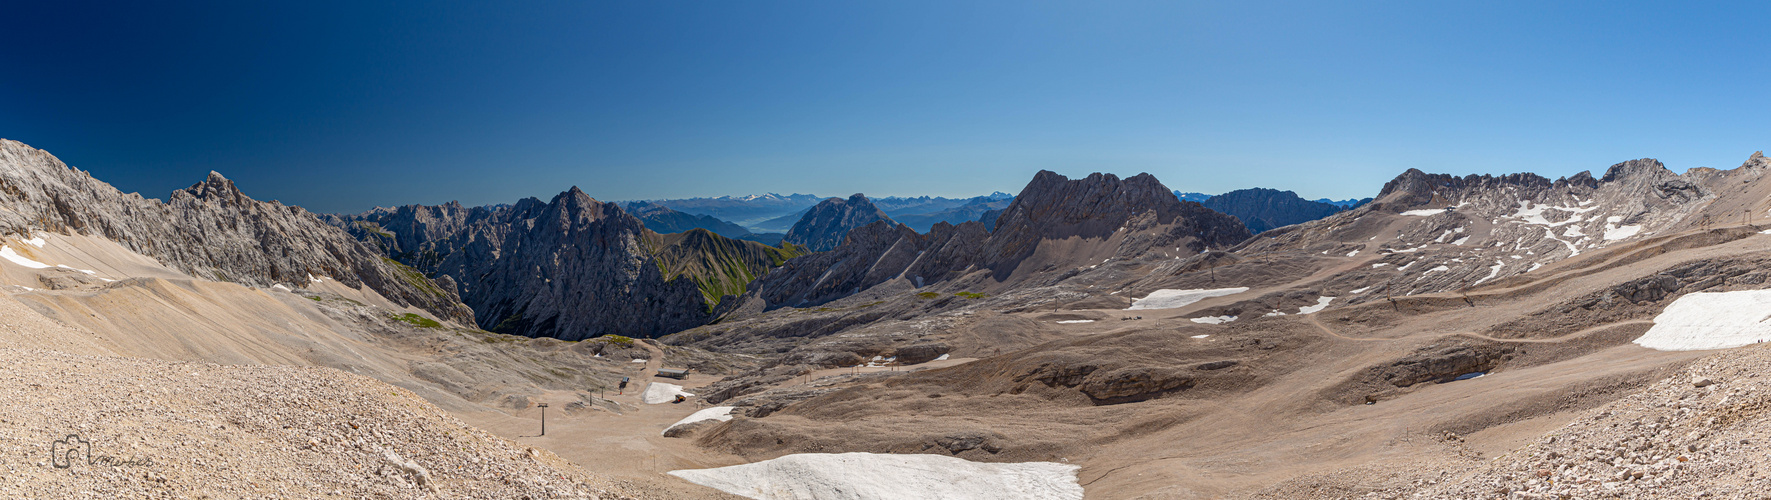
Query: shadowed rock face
x,y
825,225
569,268
1052,207
209,230
1261,209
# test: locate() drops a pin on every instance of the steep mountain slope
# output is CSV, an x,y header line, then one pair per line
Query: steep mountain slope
x,y
1432,233
569,268
1261,209
823,227
720,267
210,229
662,220
1055,229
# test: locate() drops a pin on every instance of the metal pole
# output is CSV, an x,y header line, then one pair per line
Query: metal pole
x,y
543,418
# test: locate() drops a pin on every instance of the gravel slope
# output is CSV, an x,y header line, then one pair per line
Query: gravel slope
x,y
156,428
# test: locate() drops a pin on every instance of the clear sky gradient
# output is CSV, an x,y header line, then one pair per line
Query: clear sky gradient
x,y
343,106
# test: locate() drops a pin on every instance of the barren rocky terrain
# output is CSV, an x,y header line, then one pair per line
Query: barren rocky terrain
x,y
1474,337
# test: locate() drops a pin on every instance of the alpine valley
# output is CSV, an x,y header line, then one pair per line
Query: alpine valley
x,y
1098,336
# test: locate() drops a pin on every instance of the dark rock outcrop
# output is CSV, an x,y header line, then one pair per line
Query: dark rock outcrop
x,y
824,226
210,230
570,268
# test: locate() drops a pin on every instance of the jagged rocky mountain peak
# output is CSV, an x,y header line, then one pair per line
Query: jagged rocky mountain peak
x,y
823,227
1647,167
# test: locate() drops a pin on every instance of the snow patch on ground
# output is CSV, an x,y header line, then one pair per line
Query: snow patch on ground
x,y
1321,303
1070,321
37,241
1214,320
1169,298
1378,265
1461,241
720,413
1352,253
639,360
1362,290
855,476
943,357
1721,320
7,253
1199,336
1493,271
1621,232
659,392
1424,212
280,288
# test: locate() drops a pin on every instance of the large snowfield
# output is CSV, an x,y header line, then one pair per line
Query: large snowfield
x,y
1169,298
854,476
1721,320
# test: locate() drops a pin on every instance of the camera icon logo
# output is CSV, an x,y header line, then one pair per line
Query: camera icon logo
x,y
65,452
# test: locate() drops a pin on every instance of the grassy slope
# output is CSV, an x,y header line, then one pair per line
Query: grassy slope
x,y
718,265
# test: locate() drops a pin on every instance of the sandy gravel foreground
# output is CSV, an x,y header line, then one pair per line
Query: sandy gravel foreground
x,y
75,426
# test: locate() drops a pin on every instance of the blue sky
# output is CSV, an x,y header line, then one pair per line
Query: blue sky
x,y
344,106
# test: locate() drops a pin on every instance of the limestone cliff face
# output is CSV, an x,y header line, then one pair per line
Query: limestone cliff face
x,y
571,267
210,230
1130,216
1439,233
824,226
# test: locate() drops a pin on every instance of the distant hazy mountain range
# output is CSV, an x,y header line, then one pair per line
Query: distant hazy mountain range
x,y
774,213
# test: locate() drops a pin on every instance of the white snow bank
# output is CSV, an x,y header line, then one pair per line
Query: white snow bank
x,y
1214,320
1621,232
37,241
7,253
1321,303
1169,298
1199,336
720,413
854,476
1424,212
1070,321
1362,290
942,357
1721,320
639,360
659,392
280,288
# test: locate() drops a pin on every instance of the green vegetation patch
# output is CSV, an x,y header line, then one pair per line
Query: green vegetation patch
x,y
615,339
970,295
418,321
413,277
928,295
